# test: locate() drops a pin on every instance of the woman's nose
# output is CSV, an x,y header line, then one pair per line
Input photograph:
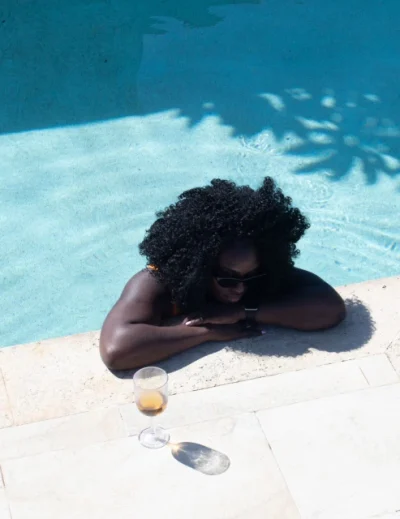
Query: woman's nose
x,y
240,288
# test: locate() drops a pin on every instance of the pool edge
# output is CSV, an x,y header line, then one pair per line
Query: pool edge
x,y
59,377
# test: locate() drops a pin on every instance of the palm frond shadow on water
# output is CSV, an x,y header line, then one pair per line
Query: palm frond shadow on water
x,y
200,458
326,74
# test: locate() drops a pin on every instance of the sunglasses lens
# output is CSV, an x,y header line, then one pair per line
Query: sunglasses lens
x,y
228,282
233,282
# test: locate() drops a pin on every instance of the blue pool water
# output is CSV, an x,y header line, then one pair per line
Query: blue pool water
x,y
110,110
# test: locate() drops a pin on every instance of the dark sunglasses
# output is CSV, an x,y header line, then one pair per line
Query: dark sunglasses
x,y
234,282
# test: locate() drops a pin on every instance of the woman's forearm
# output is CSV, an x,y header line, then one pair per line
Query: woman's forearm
x,y
311,309
132,346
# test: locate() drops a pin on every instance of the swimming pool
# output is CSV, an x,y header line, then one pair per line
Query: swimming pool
x,y
110,118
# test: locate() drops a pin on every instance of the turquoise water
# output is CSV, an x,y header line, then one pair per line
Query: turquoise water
x,y
109,111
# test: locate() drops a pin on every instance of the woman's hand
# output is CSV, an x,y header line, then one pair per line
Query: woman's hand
x,y
217,314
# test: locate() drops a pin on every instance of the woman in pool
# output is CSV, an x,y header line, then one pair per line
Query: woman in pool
x,y
222,259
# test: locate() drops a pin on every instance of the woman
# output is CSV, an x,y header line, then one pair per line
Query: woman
x,y
221,258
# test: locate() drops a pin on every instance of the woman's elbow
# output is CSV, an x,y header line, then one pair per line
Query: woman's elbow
x,y
110,355
112,351
334,314
324,316
120,349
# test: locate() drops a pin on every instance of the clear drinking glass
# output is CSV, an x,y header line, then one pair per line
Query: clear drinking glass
x,y
151,397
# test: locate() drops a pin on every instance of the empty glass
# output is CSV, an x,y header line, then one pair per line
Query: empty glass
x,y
151,397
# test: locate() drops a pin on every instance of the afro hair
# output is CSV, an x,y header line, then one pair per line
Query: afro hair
x,y
186,239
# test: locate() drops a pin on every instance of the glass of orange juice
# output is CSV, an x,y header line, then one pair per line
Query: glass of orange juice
x,y
151,397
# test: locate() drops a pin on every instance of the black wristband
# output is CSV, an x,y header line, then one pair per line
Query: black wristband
x,y
251,314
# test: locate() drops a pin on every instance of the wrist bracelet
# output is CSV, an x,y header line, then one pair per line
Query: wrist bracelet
x,y
251,314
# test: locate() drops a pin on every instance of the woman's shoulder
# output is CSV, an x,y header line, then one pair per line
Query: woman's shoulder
x,y
144,285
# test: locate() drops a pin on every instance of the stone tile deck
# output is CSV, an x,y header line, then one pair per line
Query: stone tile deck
x,y
341,455
59,377
5,410
319,438
325,432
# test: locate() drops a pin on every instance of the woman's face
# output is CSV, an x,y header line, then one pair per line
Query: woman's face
x,y
237,261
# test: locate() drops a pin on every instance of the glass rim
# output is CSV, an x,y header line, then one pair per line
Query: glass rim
x,y
158,372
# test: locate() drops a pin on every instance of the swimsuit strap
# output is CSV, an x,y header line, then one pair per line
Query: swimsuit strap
x,y
175,310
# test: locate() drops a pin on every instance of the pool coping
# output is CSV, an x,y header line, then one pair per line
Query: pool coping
x,y
60,377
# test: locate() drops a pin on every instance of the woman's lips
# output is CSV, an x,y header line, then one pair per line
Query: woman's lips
x,y
234,299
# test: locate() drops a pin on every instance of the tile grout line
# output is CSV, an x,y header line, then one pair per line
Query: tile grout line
x,y
397,336
228,383
5,493
277,464
277,374
64,449
365,376
262,429
271,375
251,411
238,412
189,424
128,433
2,379
392,365
117,406
70,415
125,425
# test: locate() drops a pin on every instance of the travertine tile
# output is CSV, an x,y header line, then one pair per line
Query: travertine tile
x,y
122,479
5,412
394,354
60,377
61,433
340,455
253,395
4,510
378,370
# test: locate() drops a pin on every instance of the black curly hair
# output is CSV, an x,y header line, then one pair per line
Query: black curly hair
x,y
186,239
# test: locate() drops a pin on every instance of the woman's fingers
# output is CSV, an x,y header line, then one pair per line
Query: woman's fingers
x,y
195,321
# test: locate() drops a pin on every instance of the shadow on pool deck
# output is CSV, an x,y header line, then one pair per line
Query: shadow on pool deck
x,y
200,457
323,79
353,333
